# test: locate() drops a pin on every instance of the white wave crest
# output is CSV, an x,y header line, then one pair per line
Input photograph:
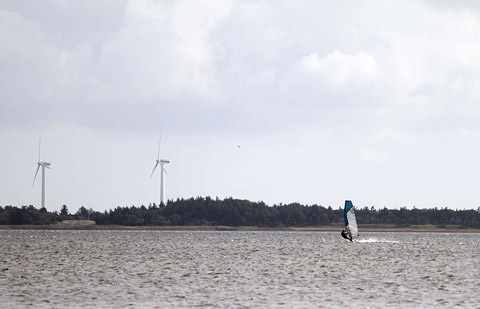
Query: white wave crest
x,y
376,240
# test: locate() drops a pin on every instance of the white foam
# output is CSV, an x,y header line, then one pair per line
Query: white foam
x,y
375,240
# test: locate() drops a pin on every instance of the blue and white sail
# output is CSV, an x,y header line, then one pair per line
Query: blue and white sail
x,y
350,219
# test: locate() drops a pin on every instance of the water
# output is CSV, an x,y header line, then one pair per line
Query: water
x,y
159,269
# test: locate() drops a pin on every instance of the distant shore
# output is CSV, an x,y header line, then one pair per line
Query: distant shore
x,y
90,225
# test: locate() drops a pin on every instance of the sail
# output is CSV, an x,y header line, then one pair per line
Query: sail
x,y
350,219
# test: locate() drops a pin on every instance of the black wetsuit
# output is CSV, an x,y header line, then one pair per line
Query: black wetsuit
x,y
346,235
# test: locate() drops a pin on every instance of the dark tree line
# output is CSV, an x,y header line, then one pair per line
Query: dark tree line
x,y
235,212
12,215
27,215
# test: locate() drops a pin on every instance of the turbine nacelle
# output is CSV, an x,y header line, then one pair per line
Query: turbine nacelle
x,y
42,164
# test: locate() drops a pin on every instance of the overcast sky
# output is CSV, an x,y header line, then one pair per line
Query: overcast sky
x,y
276,101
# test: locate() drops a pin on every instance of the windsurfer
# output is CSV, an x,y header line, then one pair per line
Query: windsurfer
x,y
346,235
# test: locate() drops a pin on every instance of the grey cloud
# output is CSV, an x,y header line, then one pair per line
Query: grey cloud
x,y
155,61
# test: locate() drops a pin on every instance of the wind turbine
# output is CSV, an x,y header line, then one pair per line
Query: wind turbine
x,y
43,165
162,163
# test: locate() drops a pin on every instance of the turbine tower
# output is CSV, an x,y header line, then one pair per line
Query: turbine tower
x,y
162,163
43,165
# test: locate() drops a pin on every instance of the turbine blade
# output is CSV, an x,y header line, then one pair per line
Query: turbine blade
x,y
165,171
38,167
159,144
154,170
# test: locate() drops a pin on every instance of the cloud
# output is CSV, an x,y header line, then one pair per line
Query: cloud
x,y
337,69
162,51
26,62
161,61
19,36
191,65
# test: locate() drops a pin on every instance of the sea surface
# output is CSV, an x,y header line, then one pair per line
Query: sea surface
x,y
224,269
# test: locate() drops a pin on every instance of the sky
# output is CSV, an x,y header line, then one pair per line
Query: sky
x,y
301,101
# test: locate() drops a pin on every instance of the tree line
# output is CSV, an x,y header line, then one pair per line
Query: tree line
x,y
237,212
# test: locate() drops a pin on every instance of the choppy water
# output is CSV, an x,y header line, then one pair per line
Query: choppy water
x,y
162,269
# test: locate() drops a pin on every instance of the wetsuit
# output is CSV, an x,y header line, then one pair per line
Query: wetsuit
x,y
346,235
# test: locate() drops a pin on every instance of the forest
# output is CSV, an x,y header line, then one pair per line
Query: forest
x,y
236,212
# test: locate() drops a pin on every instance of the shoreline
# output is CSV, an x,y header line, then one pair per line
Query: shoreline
x,y
362,228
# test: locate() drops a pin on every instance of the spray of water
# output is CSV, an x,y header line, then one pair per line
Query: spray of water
x,y
376,240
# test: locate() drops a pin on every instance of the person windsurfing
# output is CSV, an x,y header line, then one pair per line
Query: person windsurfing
x,y
345,234
351,229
